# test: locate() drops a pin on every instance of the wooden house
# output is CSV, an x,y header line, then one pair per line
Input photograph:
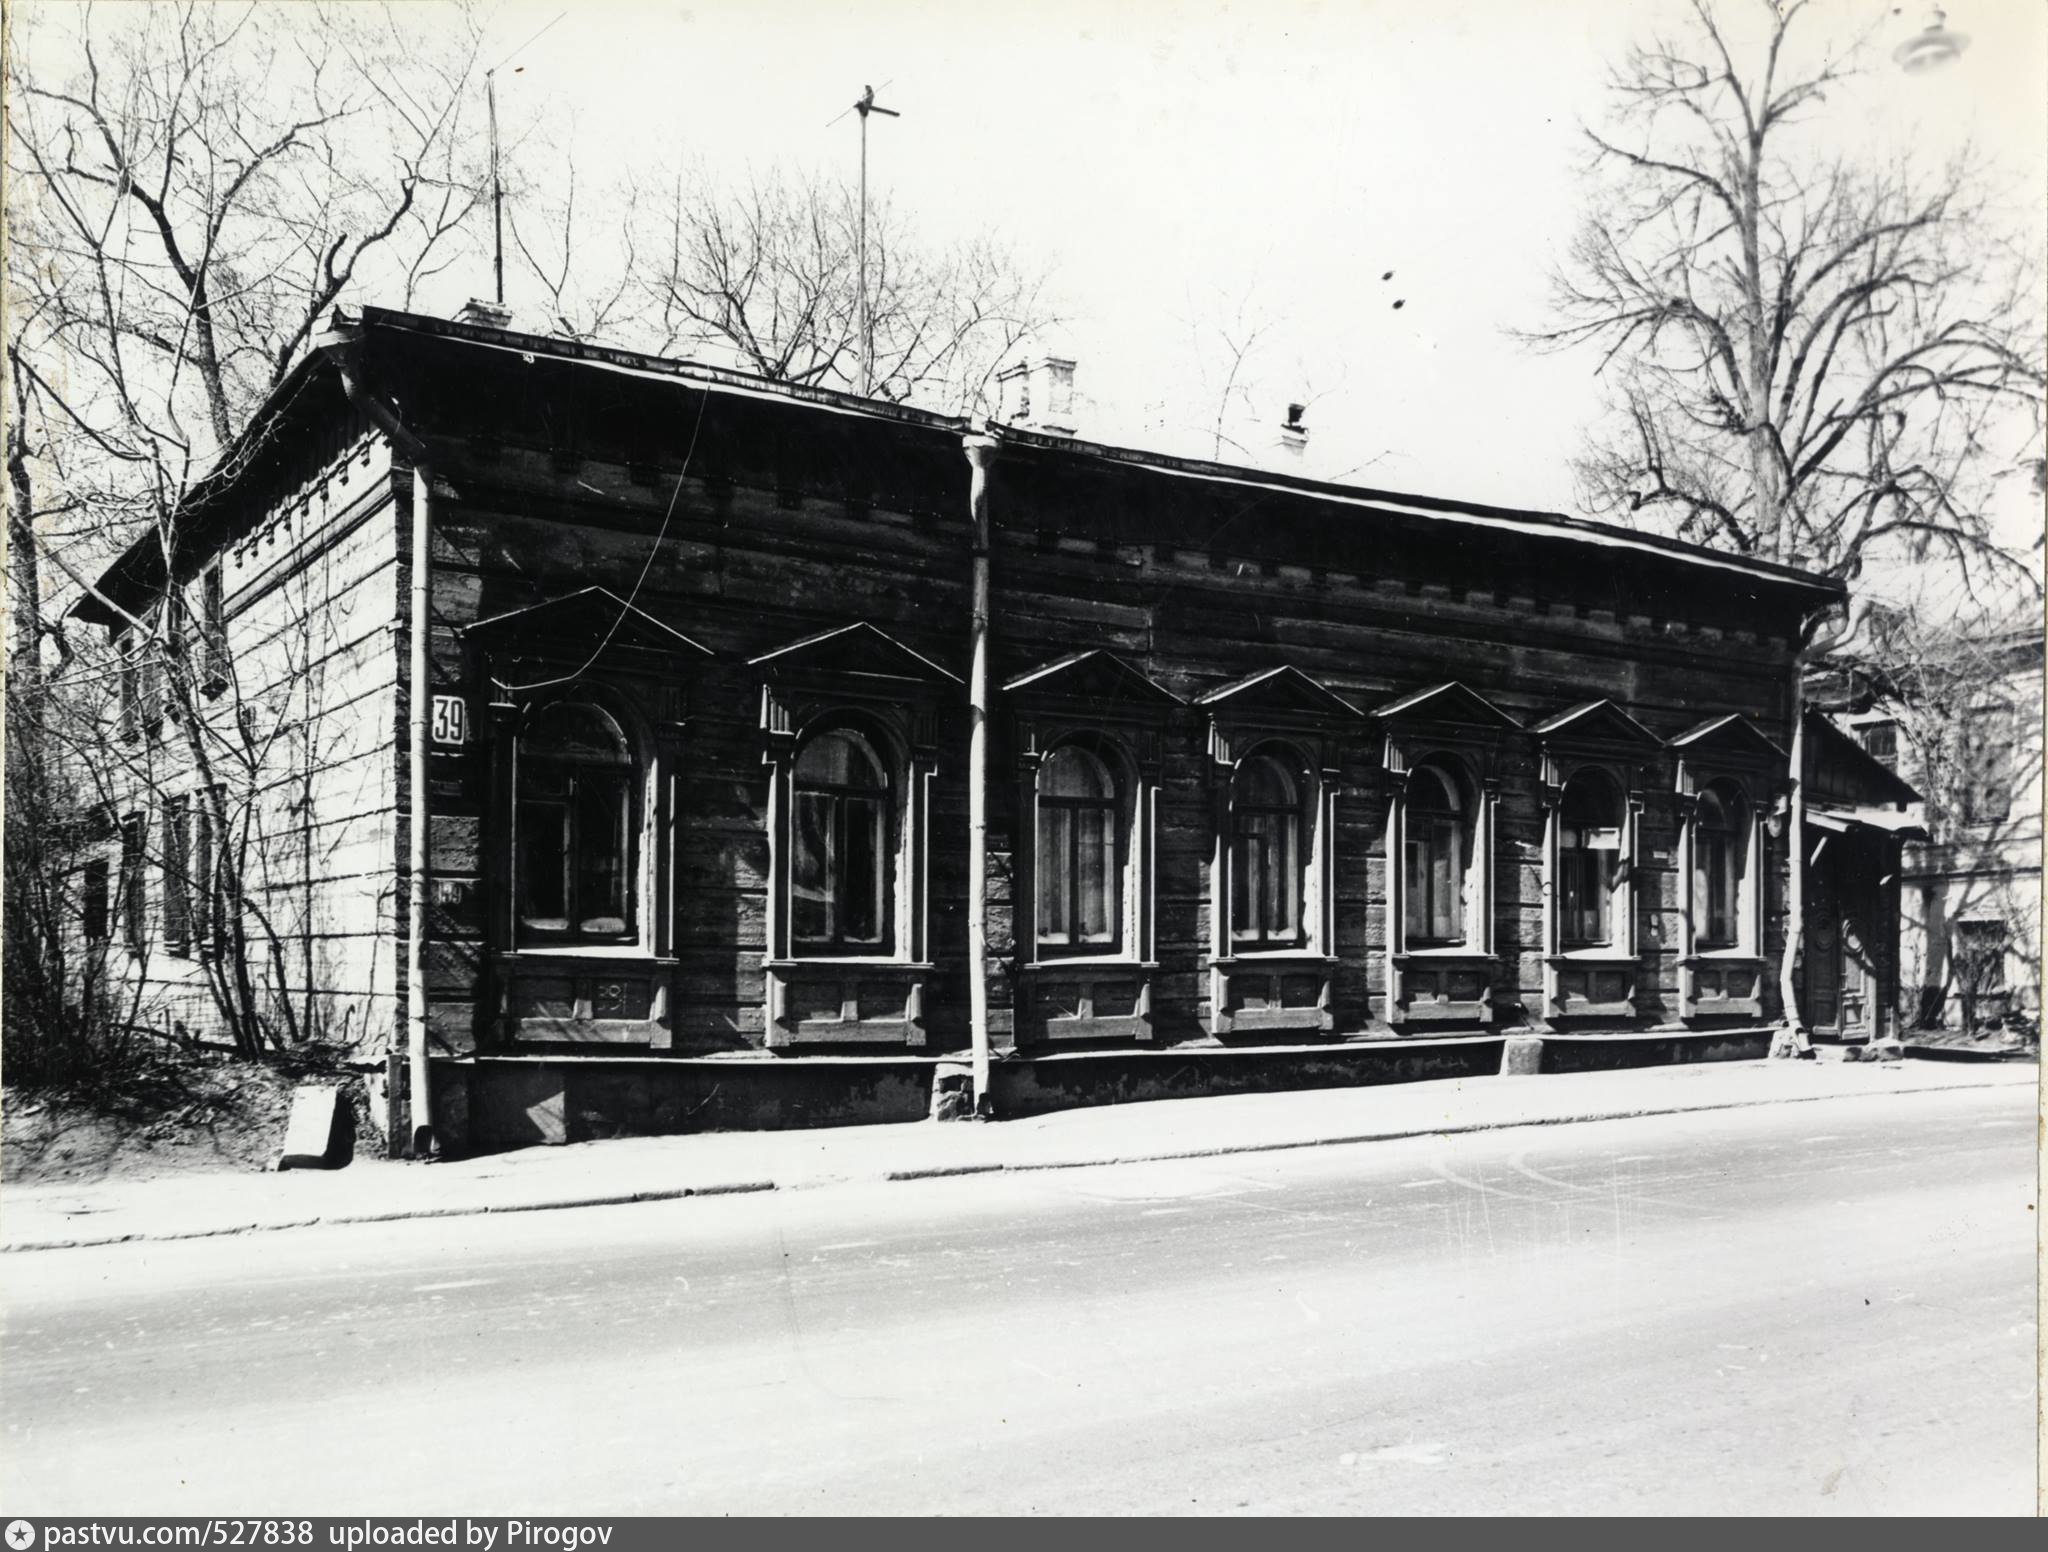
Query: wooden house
x,y
1285,782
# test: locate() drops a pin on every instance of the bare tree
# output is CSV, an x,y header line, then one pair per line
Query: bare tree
x,y
193,187
767,274
1810,359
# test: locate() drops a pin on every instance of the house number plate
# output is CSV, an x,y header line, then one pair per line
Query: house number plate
x,y
450,721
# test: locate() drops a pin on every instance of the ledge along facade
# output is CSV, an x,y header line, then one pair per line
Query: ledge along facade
x,y
1288,783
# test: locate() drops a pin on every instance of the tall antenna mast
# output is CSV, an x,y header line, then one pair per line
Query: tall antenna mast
x,y
497,190
865,105
497,183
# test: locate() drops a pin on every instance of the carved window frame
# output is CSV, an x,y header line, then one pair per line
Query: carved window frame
x,y
855,676
1456,727
1253,986
1729,752
1096,698
571,993
1604,980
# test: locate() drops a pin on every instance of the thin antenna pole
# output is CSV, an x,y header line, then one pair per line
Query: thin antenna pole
x,y
497,190
864,105
867,322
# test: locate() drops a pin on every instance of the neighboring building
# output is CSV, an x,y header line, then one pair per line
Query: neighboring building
x,y
1963,725
1859,817
1290,782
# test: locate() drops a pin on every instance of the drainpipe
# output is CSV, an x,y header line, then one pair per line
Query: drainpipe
x,y
422,1098
341,347
1791,1039
981,453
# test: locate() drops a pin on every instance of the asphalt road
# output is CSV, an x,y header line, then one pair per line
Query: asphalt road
x,y
1813,1308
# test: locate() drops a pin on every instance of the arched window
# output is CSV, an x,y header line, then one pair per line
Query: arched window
x,y
1266,858
1720,860
578,824
840,863
1588,860
1436,826
1079,876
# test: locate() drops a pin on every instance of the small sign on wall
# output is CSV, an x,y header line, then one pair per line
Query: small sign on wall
x,y
449,723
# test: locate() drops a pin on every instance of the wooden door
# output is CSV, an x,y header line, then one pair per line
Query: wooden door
x,y
1824,972
1858,979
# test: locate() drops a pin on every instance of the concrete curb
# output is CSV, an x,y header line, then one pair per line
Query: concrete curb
x,y
811,1181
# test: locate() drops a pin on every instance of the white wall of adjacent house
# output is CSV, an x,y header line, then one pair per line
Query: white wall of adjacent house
x,y
302,733
1970,896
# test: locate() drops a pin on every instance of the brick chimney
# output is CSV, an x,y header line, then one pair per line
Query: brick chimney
x,y
1292,441
489,315
1038,395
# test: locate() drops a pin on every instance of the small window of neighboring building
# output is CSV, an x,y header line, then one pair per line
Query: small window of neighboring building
x,y
1588,860
1986,759
130,690
1079,872
1268,861
134,922
213,632
1979,950
1881,743
94,902
842,862
577,818
209,911
176,863
1437,834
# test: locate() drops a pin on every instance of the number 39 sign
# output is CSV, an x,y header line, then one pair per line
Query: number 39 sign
x,y
450,721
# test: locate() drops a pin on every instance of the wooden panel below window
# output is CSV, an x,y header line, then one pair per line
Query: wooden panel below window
x,y
1590,988
1709,988
1442,989
1254,997
1059,1003
822,1003
550,1000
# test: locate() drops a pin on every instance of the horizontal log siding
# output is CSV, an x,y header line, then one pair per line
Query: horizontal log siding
x,y
746,568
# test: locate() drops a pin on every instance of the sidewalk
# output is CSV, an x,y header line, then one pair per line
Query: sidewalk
x,y
705,1164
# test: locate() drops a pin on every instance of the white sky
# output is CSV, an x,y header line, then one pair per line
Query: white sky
x,y
1173,161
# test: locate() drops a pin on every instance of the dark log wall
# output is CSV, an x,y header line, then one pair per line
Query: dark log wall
x,y
791,520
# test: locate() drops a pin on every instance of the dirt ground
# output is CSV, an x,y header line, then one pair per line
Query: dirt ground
x,y
1985,1044
188,1113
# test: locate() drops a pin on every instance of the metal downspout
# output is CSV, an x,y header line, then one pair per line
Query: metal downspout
x,y
981,451
421,1092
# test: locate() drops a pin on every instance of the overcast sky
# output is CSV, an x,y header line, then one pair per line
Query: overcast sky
x,y
1176,163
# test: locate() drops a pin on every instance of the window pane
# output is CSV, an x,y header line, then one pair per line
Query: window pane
x,y
840,758
1263,782
1587,904
1055,841
1415,885
1445,882
810,871
1720,894
1246,863
1095,841
543,864
1286,896
601,854
574,730
1072,772
858,889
